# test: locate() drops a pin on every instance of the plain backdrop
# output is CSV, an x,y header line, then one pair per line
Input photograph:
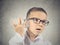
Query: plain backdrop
x,y
12,9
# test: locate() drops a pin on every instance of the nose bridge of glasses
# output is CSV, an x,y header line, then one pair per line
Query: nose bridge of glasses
x,y
40,21
40,24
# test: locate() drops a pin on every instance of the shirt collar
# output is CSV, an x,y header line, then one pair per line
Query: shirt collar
x,y
39,37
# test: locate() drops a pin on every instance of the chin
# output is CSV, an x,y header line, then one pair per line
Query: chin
x,y
36,34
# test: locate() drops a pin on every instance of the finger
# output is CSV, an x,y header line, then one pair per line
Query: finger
x,y
19,21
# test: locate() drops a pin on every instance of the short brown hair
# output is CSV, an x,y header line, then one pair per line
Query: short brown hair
x,y
35,9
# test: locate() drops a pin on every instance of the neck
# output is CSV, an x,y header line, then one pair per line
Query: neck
x,y
31,35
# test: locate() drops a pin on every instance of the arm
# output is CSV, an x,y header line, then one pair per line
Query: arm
x,y
19,29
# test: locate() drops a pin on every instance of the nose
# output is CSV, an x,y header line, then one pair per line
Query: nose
x,y
40,24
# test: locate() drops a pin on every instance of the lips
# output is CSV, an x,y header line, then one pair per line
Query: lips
x,y
38,29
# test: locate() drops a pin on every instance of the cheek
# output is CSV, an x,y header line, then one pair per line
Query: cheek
x,y
32,26
43,27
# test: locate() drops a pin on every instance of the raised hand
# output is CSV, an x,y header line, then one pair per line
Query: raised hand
x,y
19,28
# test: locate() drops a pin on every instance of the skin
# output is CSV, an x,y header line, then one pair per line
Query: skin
x,y
33,26
32,32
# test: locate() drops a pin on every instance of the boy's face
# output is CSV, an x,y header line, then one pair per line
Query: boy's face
x,y
34,26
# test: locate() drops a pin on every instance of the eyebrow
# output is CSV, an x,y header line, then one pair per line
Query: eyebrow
x,y
37,18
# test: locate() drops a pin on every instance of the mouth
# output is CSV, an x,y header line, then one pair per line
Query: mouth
x,y
38,29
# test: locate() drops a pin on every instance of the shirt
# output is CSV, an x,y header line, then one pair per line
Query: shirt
x,y
18,40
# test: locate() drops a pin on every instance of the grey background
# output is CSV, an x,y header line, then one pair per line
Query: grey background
x,y
12,9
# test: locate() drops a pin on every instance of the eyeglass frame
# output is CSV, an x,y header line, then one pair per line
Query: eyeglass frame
x,y
44,22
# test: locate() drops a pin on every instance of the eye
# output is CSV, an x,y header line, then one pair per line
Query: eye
x,y
43,21
35,19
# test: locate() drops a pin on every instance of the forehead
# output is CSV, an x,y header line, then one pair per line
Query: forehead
x,y
38,14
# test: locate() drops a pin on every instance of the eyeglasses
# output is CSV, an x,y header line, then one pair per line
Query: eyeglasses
x,y
38,21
